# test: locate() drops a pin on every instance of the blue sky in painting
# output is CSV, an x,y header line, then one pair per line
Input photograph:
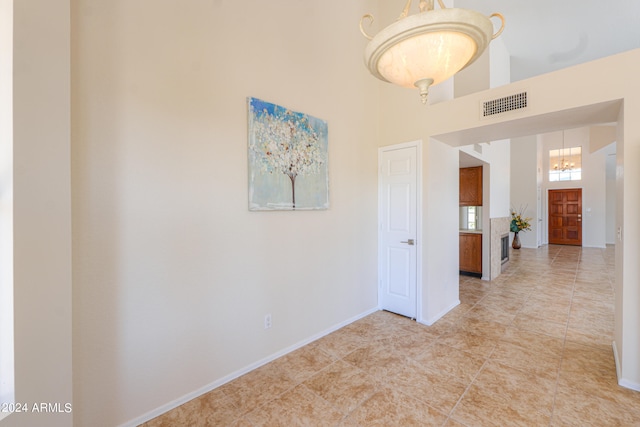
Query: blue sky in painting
x,y
258,107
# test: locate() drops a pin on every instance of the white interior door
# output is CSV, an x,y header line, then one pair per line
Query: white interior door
x,y
398,230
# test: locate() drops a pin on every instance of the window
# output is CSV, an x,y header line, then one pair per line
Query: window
x,y
565,164
471,217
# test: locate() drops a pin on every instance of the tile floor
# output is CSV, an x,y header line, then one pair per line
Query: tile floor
x,y
531,348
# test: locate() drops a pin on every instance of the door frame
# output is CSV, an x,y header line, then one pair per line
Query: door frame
x,y
419,235
549,190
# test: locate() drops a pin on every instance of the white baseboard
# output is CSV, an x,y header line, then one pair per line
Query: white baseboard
x,y
211,386
433,319
629,384
616,360
621,381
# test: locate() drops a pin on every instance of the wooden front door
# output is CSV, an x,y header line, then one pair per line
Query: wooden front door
x,y
565,217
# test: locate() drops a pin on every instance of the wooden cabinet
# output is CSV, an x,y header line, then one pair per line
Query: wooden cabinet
x,y
471,252
471,186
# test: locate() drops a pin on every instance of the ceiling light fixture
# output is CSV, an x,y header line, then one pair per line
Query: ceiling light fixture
x,y
429,47
564,164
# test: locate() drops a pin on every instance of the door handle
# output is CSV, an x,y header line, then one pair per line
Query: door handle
x,y
410,242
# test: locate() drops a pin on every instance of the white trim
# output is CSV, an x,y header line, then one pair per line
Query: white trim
x,y
434,319
621,381
629,384
232,376
616,360
419,178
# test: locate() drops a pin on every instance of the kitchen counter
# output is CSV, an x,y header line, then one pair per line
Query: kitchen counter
x,y
470,231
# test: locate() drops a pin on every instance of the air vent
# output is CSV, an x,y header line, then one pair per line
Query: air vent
x,y
504,104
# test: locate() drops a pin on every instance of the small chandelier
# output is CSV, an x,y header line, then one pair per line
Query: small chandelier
x,y
429,47
564,165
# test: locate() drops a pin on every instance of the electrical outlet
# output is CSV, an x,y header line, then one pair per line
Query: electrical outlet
x,y
267,321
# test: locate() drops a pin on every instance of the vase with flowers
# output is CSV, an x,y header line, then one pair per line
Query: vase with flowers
x,y
519,223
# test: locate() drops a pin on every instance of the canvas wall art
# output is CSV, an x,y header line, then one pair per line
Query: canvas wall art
x,y
288,154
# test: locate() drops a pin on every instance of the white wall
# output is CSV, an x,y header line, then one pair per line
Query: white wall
x,y
441,204
500,61
7,366
524,185
172,274
593,184
496,154
42,211
500,178
627,342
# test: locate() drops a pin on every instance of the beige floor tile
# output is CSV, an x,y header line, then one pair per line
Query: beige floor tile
x,y
535,361
588,337
471,297
483,328
376,360
539,342
469,342
574,408
514,286
411,344
507,300
367,330
580,359
303,363
455,315
342,385
540,325
456,363
517,386
242,422
389,407
479,409
297,407
257,387
340,343
597,303
436,388
213,408
550,291
602,385
453,423
555,312
595,323
492,313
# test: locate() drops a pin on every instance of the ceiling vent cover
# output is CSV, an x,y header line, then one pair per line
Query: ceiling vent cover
x,y
504,104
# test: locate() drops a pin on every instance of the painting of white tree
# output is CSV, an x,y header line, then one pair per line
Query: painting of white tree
x,y
287,159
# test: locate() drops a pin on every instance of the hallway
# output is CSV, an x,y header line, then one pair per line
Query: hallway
x,y
531,348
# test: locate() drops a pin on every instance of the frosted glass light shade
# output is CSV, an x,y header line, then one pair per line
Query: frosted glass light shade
x,y
425,55
428,47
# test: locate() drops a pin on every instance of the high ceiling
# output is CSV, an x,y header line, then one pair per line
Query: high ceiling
x,y
544,36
